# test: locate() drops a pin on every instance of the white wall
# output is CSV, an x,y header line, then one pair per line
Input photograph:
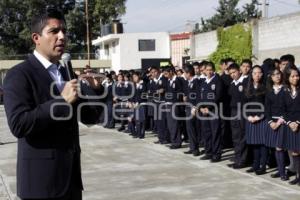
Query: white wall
x,y
131,56
204,44
278,36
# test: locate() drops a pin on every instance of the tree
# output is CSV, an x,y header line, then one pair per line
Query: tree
x,y
228,14
15,17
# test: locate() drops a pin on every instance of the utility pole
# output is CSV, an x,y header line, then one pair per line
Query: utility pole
x,y
87,31
265,7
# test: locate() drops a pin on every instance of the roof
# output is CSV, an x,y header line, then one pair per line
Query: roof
x,y
180,36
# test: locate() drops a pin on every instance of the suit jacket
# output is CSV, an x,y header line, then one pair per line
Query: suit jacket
x,y
48,150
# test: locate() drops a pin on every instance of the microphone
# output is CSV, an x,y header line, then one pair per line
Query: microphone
x,y
66,58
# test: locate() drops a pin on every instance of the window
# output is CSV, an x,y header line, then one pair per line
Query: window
x,y
106,49
146,45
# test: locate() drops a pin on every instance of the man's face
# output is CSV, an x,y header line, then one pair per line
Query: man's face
x,y
209,71
155,73
283,65
234,74
52,41
197,70
245,68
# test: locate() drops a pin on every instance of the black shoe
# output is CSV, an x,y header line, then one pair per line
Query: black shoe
x,y
294,182
215,159
230,165
276,175
134,136
121,128
175,146
188,152
126,131
157,142
232,160
239,166
196,153
290,173
284,178
251,170
202,152
141,137
206,157
260,172
165,142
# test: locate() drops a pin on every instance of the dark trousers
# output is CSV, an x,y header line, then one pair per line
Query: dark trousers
x,y
191,126
163,132
212,135
239,141
172,126
260,154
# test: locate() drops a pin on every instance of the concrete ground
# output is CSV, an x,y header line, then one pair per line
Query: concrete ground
x,y
116,166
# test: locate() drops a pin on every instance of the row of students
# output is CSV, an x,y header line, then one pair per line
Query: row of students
x,y
207,93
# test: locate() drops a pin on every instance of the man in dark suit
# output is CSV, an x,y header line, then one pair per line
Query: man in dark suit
x,y
44,118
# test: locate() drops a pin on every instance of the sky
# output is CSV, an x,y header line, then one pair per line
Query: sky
x,y
173,15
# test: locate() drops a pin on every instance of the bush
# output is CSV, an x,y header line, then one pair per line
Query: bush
x,y
234,42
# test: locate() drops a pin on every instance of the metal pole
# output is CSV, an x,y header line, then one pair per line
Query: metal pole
x,y
87,31
265,9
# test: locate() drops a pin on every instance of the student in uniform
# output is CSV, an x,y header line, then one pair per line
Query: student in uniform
x,y
292,118
118,98
225,124
211,92
191,98
237,123
182,125
245,68
274,109
160,84
136,103
109,102
256,124
150,109
173,95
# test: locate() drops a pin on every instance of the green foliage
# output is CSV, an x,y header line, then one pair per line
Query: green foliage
x,y
228,14
234,42
15,17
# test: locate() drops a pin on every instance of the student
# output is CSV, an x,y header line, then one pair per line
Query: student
x,y
191,98
286,60
237,100
150,109
225,124
255,123
211,91
118,98
292,116
274,109
109,102
136,103
245,68
159,99
173,96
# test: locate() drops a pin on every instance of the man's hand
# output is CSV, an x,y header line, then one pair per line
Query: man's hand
x,y
70,91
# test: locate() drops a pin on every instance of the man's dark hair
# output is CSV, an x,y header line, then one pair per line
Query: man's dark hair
x,y
247,61
196,64
234,66
189,69
229,60
223,61
210,64
203,63
39,21
170,69
288,57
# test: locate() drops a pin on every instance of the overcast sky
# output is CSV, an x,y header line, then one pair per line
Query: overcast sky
x,y
173,15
